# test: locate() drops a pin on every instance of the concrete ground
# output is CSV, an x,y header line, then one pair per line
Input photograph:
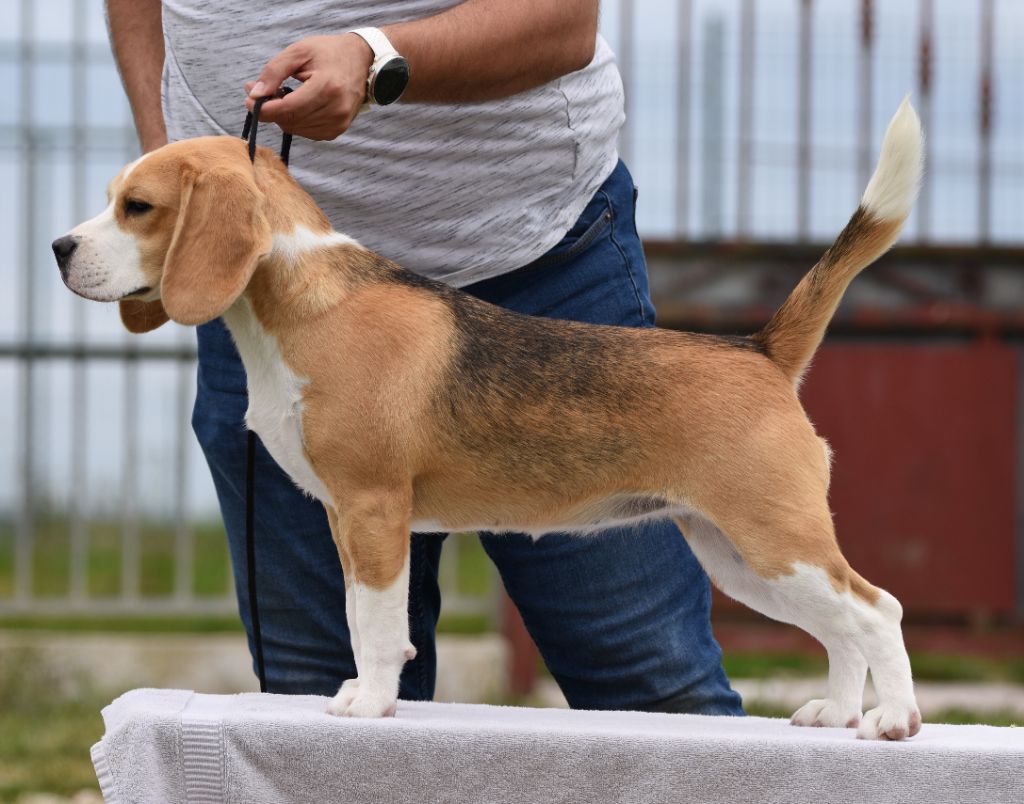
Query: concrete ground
x,y
470,669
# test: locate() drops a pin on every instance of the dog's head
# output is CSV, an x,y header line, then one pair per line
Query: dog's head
x,y
180,238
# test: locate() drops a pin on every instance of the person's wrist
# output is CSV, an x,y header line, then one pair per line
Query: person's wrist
x,y
152,142
361,55
361,47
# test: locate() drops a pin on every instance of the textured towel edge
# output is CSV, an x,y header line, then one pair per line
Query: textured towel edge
x,y
103,774
201,741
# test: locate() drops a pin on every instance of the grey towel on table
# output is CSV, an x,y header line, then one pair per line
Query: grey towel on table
x,y
180,746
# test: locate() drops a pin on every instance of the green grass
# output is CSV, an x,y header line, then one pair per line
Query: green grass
x,y
44,740
946,667
762,665
211,570
211,567
122,624
475,576
104,558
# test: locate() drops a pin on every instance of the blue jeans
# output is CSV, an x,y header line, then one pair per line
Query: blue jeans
x,y
621,619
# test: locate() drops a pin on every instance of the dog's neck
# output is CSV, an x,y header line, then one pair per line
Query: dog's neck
x,y
303,275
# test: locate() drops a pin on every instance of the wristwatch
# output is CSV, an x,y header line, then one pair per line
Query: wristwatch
x,y
389,73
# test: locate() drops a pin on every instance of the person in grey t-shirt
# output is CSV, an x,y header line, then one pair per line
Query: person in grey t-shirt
x,y
497,172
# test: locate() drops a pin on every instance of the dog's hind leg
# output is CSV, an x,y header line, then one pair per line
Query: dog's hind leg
x,y
374,529
817,591
847,671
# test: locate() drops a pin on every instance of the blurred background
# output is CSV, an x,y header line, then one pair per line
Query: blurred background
x,y
752,128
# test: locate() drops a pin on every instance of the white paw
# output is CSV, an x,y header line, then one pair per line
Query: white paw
x,y
368,703
410,651
343,700
826,712
890,722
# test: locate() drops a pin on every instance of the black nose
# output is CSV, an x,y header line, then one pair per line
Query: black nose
x,y
63,248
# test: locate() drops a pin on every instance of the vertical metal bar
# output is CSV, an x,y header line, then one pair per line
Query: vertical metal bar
x,y
746,118
803,145
130,542
184,570
626,34
866,62
712,134
684,48
78,580
129,484
985,112
24,534
924,107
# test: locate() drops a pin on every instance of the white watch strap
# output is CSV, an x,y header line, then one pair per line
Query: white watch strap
x,y
378,42
382,50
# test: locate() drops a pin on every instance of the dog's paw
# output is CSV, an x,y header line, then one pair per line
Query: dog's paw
x,y
890,722
826,712
343,700
370,704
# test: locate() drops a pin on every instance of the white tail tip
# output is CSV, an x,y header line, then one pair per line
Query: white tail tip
x,y
893,187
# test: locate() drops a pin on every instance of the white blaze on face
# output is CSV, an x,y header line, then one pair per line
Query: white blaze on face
x,y
106,264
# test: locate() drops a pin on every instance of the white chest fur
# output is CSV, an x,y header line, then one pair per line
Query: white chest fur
x,y
275,398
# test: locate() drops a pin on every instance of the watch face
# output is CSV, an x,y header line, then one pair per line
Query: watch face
x,y
390,81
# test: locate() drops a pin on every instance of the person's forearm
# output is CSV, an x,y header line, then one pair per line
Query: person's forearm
x,y
485,49
137,39
475,51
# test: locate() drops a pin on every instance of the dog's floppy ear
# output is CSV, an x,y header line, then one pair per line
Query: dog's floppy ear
x,y
141,316
220,234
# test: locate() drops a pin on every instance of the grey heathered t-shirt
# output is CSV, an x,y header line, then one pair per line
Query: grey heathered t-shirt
x,y
459,193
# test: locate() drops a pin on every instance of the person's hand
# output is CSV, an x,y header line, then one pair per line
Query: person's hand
x,y
333,70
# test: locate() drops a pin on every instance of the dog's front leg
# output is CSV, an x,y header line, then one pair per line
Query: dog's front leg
x,y
350,686
373,542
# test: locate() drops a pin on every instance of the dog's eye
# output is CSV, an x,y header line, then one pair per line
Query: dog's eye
x,y
133,207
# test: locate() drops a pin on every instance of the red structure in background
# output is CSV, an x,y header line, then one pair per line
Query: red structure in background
x,y
924,476
926,438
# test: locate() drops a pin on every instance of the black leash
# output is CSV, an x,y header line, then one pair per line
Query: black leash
x,y
249,133
252,121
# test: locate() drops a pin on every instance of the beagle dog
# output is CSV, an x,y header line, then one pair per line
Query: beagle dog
x,y
405,405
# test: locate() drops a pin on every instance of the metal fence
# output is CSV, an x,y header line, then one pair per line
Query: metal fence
x,y
748,120
760,119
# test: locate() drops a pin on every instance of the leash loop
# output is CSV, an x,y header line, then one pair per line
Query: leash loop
x,y
252,122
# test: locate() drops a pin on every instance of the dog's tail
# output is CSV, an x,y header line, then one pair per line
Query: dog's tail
x,y
793,334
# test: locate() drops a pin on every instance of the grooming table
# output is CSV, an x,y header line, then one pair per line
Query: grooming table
x,y
180,746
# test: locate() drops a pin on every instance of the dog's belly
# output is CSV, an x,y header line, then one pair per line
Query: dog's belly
x,y
588,517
